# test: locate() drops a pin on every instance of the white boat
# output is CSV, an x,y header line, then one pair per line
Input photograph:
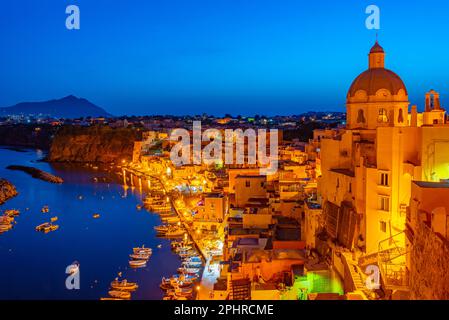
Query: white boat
x,y
192,264
139,256
186,254
142,250
189,270
192,259
183,248
138,263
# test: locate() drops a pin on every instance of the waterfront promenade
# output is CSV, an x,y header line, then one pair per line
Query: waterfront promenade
x,y
211,270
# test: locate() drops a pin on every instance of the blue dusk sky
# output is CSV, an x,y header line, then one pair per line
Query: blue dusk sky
x,y
216,56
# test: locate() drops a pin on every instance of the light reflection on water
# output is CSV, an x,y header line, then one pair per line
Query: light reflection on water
x,y
33,264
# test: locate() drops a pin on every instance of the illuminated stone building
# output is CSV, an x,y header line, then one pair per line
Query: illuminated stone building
x,y
368,167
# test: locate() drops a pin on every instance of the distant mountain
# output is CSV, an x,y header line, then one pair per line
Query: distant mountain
x,y
69,107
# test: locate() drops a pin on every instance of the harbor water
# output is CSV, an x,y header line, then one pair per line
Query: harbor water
x,y
33,264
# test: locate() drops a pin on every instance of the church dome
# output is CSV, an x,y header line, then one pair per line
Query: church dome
x,y
373,80
377,77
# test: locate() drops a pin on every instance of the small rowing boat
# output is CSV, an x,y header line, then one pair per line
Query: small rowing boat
x,y
120,294
124,285
12,212
137,263
142,250
139,256
47,227
193,271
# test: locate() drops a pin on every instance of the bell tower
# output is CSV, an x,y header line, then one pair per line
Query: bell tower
x,y
376,57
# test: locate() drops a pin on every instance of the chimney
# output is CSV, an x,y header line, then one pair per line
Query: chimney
x,y
414,117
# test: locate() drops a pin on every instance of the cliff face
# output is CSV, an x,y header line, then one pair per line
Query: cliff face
x,y
7,191
93,144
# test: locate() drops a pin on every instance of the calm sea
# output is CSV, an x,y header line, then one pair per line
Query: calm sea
x,y
33,264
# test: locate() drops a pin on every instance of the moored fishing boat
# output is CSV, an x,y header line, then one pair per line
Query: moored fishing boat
x,y
139,256
142,250
171,220
186,254
162,228
124,285
167,215
137,263
180,292
194,258
47,227
5,227
12,212
120,294
195,264
174,233
175,244
6,220
183,248
193,271
182,281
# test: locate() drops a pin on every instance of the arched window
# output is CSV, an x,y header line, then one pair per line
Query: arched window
x,y
382,117
400,116
360,116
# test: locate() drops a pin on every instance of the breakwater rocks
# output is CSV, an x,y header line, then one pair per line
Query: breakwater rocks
x,y
95,144
7,191
38,174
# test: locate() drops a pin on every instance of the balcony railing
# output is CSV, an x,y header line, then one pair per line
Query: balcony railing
x,y
391,259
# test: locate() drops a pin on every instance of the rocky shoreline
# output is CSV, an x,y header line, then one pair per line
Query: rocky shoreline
x,y
38,174
95,144
7,191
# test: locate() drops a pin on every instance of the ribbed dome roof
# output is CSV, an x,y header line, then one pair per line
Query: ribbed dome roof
x,y
373,80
